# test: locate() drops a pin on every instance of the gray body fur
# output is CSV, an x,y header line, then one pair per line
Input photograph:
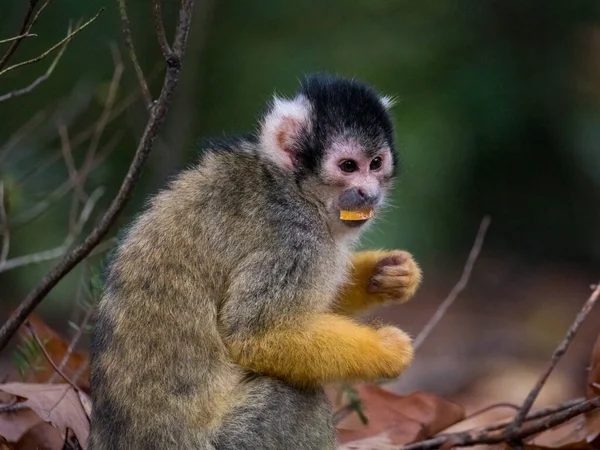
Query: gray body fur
x,y
228,249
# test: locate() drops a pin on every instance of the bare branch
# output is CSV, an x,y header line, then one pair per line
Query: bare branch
x,y
494,435
513,429
14,38
157,117
54,47
136,65
39,80
40,11
25,27
48,357
181,33
57,252
4,228
459,287
540,413
82,136
160,29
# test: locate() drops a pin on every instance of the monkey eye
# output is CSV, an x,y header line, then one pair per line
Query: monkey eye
x,y
349,166
376,163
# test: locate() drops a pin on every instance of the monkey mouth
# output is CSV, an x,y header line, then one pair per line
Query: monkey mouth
x,y
356,218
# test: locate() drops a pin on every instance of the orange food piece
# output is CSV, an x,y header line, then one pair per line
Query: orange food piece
x,y
361,214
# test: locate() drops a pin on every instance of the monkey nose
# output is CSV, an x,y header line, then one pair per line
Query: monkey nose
x,y
359,197
369,197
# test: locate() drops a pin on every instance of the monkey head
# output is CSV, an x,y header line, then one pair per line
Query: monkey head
x,y
335,137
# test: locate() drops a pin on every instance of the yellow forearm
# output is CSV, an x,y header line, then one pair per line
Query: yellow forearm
x,y
323,349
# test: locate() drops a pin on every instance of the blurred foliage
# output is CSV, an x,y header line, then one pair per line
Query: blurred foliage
x,y
499,110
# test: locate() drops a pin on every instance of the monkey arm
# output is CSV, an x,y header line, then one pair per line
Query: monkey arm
x,y
376,277
273,322
324,348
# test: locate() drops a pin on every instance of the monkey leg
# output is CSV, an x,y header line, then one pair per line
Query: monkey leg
x,y
377,277
277,416
324,348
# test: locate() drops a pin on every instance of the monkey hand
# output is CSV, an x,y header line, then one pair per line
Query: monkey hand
x,y
396,276
399,348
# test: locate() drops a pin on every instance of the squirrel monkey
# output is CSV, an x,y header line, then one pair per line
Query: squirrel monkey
x,y
228,303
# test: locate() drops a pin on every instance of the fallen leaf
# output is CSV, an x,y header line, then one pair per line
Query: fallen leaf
x,y
581,432
58,404
14,424
57,347
398,419
42,436
379,442
592,418
4,444
569,435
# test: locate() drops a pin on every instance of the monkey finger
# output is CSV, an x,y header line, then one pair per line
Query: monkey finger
x,y
395,259
390,285
395,271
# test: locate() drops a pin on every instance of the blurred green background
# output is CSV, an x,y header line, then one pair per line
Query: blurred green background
x,y
499,114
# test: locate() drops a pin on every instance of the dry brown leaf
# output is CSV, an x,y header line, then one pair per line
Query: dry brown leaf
x,y
593,417
398,419
14,424
4,444
569,435
57,347
58,404
573,446
594,373
42,436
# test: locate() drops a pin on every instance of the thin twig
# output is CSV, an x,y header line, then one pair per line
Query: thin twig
x,y
85,134
25,27
14,38
538,414
492,407
37,81
48,255
130,47
39,12
512,430
160,29
73,343
4,228
74,177
54,47
459,287
41,207
48,357
105,115
70,162
497,435
157,117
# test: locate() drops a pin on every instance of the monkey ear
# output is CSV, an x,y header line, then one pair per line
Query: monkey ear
x,y
281,129
388,101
